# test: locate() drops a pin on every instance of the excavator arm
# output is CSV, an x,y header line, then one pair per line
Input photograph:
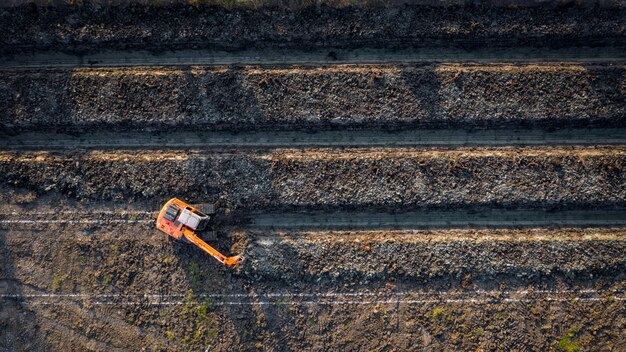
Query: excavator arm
x,y
180,220
193,238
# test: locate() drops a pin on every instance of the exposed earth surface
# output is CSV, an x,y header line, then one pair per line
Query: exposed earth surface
x,y
397,178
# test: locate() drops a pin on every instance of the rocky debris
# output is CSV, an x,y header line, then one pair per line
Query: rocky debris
x,y
321,98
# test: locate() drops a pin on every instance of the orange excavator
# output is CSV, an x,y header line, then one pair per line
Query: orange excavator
x,y
181,221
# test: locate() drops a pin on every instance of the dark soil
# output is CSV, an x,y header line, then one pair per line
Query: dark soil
x,y
85,29
433,256
321,98
389,179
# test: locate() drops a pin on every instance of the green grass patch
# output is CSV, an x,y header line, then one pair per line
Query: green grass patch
x,y
501,315
568,342
201,322
440,314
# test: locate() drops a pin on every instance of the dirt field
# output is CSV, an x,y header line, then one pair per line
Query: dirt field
x,y
396,203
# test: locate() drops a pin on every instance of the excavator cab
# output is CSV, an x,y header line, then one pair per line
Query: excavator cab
x,y
181,221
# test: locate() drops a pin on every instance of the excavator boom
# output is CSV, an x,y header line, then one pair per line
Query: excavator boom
x,y
180,220
228,261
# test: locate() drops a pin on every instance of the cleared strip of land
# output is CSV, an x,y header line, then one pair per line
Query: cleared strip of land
x,y
328,56
441,219
460,279
159,28
342,220
415,260
407,298
276,139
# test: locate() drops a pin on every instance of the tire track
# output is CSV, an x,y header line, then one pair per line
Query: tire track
x,y
331,298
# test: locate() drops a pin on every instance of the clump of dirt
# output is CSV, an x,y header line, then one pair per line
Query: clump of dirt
x,y
326,179
322,98
84,29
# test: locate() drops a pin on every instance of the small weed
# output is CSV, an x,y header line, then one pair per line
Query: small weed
x,y
203,324
168,260
116,248
440,314
107,279
478,332
228,4
568,342
57,281
194,275
211,334
208,304
311,321
170,335
202,309
283,305
501,315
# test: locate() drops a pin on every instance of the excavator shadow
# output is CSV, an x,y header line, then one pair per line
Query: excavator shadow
x,y
234,297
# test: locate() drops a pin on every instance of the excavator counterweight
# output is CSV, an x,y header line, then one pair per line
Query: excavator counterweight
x,y
181,221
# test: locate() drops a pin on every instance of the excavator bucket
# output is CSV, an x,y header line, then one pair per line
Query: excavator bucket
x,y
181,221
